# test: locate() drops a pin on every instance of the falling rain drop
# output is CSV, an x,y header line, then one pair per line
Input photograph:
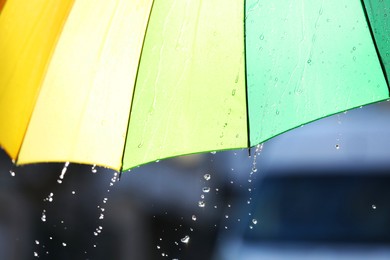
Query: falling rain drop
x,y
43,218
185,239
63,172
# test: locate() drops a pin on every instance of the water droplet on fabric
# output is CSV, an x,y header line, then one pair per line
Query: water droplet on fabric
x,y
251,227
12,173
337,146
36,254
93,169
254,221
185,239
193,217
373,206
73,192
63,244
213,152
261,37
233,92
309,61
207,176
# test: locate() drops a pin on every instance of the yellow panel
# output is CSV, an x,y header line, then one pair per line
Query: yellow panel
x,y
29,30
82,112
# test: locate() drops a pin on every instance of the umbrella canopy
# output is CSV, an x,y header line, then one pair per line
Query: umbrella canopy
x,y
122,83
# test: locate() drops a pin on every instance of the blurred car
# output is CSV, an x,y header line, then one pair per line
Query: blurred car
x,y
326,214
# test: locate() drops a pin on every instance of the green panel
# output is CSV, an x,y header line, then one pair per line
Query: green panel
x,y
190,90
379,15
306,60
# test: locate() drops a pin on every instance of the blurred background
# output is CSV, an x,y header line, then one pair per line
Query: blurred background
x,y
320,191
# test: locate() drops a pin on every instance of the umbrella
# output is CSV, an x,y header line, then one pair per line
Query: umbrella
x,y
126,82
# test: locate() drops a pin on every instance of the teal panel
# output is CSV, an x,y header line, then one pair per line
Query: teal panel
x,y
307,60
379,16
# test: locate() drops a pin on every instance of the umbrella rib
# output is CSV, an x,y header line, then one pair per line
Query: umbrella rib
x,y
246,84
135,84
375,44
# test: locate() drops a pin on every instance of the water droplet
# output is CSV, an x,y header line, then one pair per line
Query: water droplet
x,y
213,152
43,218
206,189
233,92
185,239
63,244
193,217
64,169
261,37
73,192
12,173
202,196
37,242
36,254
93,169
251,227
226,216
105,200
101,216
309,61
201,204
254,221
158,247
373,206
207,176
337,146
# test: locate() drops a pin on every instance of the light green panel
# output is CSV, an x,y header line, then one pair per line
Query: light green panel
x,y
306,60
190,90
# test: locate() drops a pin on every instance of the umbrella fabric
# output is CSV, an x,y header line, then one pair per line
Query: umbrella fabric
x,y
122,83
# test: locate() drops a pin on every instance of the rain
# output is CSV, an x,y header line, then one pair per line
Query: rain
x,y
167,214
